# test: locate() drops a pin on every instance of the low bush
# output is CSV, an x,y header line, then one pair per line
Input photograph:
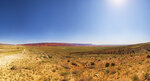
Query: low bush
x,y
65,80
13,68
112,64
92,63
107,65
148,56
107,71
135,78
74,64
146,76
66,67
53,70
68,61
27,68
64,73
75,72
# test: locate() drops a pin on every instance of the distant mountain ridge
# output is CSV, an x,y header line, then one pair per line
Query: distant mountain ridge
x,y
129,49
55,44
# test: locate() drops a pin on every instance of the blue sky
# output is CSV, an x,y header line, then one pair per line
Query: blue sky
x,y
75,21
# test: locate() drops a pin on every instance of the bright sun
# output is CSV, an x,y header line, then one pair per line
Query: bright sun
x,y
118,2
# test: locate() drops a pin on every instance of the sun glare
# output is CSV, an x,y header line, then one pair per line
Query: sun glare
x,y
117,2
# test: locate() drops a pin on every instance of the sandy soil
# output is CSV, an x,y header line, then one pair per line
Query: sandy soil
x,y
6,60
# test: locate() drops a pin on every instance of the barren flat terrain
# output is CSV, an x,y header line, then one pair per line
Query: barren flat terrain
x,y
74,63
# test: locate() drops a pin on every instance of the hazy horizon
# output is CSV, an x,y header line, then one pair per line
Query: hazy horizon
x,y
75,43
75,21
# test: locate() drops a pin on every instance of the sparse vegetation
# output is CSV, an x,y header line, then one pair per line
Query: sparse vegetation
x,y
68,61
92,63
135,78
65,73
13,68
112,64
107,71
148,56
46,63
74,64
107,65
146,76
53,70
65,80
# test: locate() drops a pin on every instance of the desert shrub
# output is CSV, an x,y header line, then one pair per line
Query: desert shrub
x,y
113,72
135,78
49,56
13,68
64,73
118,68
74,64
107,71
66,67
148,56
75,72
112,64
45,61
65,80
92,63
99,60
53,70
114,57
107,65
140,62
146,75
42,61
68,61
27,68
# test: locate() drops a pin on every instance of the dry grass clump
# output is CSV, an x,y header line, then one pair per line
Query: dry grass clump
x,y
65,73
136,78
